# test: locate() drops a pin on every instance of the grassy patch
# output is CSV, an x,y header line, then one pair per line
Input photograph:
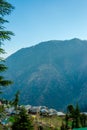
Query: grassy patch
x,y
49,122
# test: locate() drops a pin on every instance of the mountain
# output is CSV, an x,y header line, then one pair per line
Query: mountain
x,y
52,73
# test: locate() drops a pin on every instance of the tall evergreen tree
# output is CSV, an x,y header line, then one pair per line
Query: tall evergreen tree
x,y
16,100
70,110
22,121
77,117
5,9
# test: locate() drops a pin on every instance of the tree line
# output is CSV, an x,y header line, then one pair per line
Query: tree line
x,y
74,118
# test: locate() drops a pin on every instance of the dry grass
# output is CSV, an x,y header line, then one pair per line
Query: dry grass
x,y
54,121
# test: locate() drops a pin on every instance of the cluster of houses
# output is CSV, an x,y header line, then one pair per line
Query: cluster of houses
x,y
43,110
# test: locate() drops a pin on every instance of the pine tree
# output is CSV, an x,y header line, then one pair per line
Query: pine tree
x,y
70,110
5,9
22,121
16,100
77,117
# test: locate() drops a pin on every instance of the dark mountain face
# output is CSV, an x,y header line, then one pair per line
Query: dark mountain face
x,y
52,73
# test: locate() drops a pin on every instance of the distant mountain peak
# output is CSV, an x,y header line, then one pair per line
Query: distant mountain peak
x,y
76,39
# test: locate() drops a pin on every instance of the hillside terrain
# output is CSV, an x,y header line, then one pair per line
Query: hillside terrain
x,y
52,73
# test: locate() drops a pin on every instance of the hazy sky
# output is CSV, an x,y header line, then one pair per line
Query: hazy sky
x,y
34,21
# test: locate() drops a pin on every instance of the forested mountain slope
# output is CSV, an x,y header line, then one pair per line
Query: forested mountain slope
x,y
52,73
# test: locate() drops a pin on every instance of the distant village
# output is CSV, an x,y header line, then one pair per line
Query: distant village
x,y
33,110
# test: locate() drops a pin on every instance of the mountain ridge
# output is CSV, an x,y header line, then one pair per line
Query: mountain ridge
x,y
73,39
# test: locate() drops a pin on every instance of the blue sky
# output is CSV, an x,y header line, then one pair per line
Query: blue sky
x,y
34,21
